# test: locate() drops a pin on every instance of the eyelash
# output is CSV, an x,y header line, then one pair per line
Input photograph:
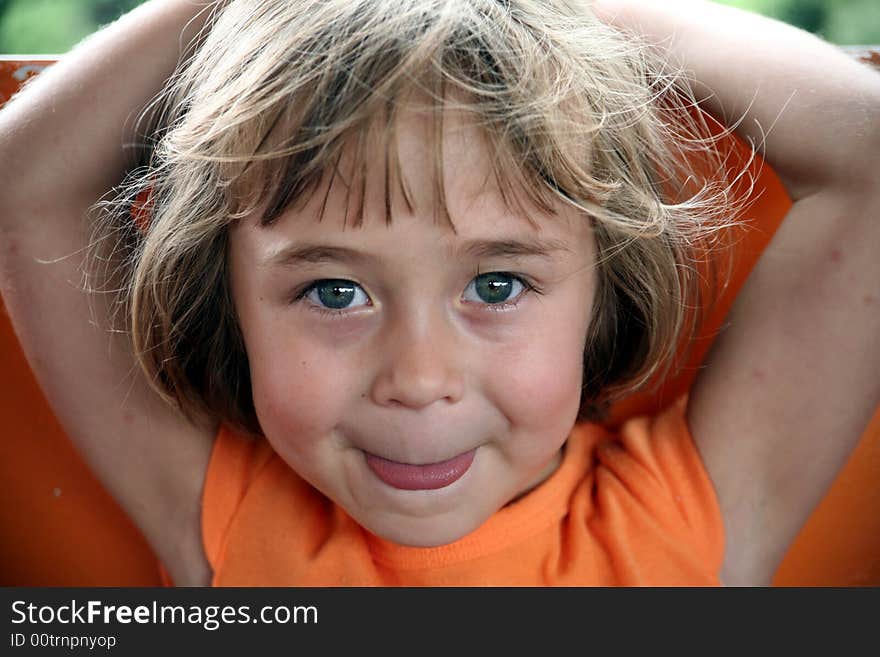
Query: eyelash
x,y
529,287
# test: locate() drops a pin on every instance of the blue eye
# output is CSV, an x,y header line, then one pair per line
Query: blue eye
x,y
498,289
493,288
337,294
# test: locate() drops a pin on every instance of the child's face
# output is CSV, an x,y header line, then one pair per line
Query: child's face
x,y
377,349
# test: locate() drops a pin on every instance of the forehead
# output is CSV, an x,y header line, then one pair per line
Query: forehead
x,y
439,174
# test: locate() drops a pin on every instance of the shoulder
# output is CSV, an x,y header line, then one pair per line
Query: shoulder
x,y
236,462
656,458
653,505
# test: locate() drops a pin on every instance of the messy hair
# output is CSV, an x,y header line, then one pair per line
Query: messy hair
x,y
573,112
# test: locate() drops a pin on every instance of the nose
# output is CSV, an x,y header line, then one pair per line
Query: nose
x,y
419,366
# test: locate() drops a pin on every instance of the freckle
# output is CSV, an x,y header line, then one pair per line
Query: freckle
x,y
869,299
836,255
56,492
759,375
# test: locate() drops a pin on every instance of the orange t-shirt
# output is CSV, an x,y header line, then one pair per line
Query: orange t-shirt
x,y
631,508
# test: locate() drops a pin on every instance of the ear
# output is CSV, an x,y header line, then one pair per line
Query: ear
x,y
142,210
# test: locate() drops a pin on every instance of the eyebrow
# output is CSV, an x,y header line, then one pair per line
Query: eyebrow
x,y
514,248
302,254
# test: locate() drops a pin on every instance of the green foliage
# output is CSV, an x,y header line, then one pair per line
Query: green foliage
x,y
41,27
106,11
54,26
845,22
854,22
811,15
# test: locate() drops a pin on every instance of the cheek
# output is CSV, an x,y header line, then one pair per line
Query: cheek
x,y
299,388
539,383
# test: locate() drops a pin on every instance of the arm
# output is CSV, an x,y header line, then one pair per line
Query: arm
x,y
789,386
62,143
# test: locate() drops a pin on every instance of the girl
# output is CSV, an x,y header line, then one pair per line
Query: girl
x,y
385,254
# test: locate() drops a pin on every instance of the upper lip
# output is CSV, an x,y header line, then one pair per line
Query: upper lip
x,y
417,450
431,440
431,461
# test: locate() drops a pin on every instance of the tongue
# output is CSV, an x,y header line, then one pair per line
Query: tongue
x,y
420,477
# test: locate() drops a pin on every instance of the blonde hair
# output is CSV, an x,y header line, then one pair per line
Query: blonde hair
x,y
573,112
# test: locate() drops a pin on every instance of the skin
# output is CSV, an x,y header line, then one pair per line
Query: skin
x,y
418,368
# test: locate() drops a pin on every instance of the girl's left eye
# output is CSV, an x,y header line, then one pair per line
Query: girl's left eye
x,y
494,288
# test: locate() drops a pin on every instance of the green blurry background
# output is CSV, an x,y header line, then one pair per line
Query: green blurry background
x,y
53,26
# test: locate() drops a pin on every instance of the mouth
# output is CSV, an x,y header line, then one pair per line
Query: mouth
x,y
428,476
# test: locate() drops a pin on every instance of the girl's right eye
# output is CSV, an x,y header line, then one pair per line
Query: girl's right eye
x,y
336,295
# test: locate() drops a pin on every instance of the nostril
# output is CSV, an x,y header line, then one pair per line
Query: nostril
x,y
396,388
419,365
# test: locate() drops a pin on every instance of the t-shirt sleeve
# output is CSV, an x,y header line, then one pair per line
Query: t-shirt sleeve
x,y
653,490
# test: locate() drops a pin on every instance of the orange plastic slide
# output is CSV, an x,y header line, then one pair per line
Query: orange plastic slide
x,y
60,528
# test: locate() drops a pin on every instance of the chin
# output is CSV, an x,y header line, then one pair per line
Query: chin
x,y
424,532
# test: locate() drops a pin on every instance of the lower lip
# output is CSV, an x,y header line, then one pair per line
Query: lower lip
x,y
421,477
